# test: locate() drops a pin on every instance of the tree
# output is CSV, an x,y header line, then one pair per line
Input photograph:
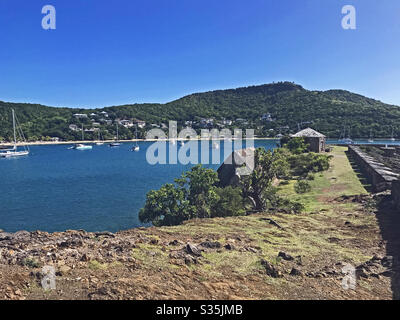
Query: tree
x,y
296,145
167,206
268,166
229,203
192,196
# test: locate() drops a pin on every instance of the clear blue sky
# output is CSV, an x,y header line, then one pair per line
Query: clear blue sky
x,y
125,51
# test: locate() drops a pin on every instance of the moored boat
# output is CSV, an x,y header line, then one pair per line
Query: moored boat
x,y
13,152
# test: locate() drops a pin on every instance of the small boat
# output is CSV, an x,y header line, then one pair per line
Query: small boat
x,y
136,146
182,143
215,145
343,138
370,140
116,143
100,142
346,141
392,138
13,152
81,146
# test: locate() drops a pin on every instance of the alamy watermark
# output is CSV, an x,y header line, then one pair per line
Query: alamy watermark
x,y
186,147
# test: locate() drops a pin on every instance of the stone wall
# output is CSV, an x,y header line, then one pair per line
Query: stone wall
x,y
396,193
380,177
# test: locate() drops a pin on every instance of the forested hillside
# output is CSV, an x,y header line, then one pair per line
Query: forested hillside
x,y
287,103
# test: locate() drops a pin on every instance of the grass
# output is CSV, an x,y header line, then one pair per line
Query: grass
x,y
339,180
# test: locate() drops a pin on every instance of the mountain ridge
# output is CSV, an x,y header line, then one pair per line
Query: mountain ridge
x,y
287,102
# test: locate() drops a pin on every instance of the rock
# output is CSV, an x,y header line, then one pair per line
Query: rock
x,y
85,258
361,273
210,244
5,236
387,273
387,261
299,260
105,233
190,260
63,270
295,272
377,258
272,222
229,246
285,256
193,250
153,241
270,269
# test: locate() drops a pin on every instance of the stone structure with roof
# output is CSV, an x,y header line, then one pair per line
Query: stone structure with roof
x,y
316,140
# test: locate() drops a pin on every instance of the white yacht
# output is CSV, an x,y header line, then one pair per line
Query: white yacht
x,y
13,152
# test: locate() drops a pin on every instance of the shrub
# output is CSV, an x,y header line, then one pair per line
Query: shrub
x,y
31,263
229,203
302,186
296,145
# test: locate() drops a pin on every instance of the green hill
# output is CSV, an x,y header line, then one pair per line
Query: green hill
x,y
288,104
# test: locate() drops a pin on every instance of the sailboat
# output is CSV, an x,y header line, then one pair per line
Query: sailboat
x,y
215,145
81,146
13,152
393,138
136,146
343,138
100,142
182,143
370,140
116,143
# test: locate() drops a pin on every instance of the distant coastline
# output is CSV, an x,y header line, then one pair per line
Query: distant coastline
x,y
44,143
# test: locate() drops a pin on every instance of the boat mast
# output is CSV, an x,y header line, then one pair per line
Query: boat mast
x,y
117,130
15,135
136,134
83,136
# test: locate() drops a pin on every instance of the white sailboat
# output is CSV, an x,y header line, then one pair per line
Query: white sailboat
x,y
136,146
343,138
370,140
116,143
393,138
100,142
13,152
81,146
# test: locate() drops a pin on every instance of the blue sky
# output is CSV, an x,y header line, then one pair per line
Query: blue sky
x,y
106,53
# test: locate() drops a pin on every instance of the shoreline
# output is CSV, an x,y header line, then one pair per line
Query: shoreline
x,y
43,143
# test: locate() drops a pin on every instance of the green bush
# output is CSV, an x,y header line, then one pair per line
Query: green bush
x,y
302,186
229,203
296,145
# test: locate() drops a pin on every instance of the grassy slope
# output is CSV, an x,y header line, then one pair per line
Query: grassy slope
x,y
309,235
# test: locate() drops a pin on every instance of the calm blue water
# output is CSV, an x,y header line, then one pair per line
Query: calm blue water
x,y
55,189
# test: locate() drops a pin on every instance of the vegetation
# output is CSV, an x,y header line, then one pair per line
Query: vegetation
x,y
196,195
302,186
296,145
288,104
